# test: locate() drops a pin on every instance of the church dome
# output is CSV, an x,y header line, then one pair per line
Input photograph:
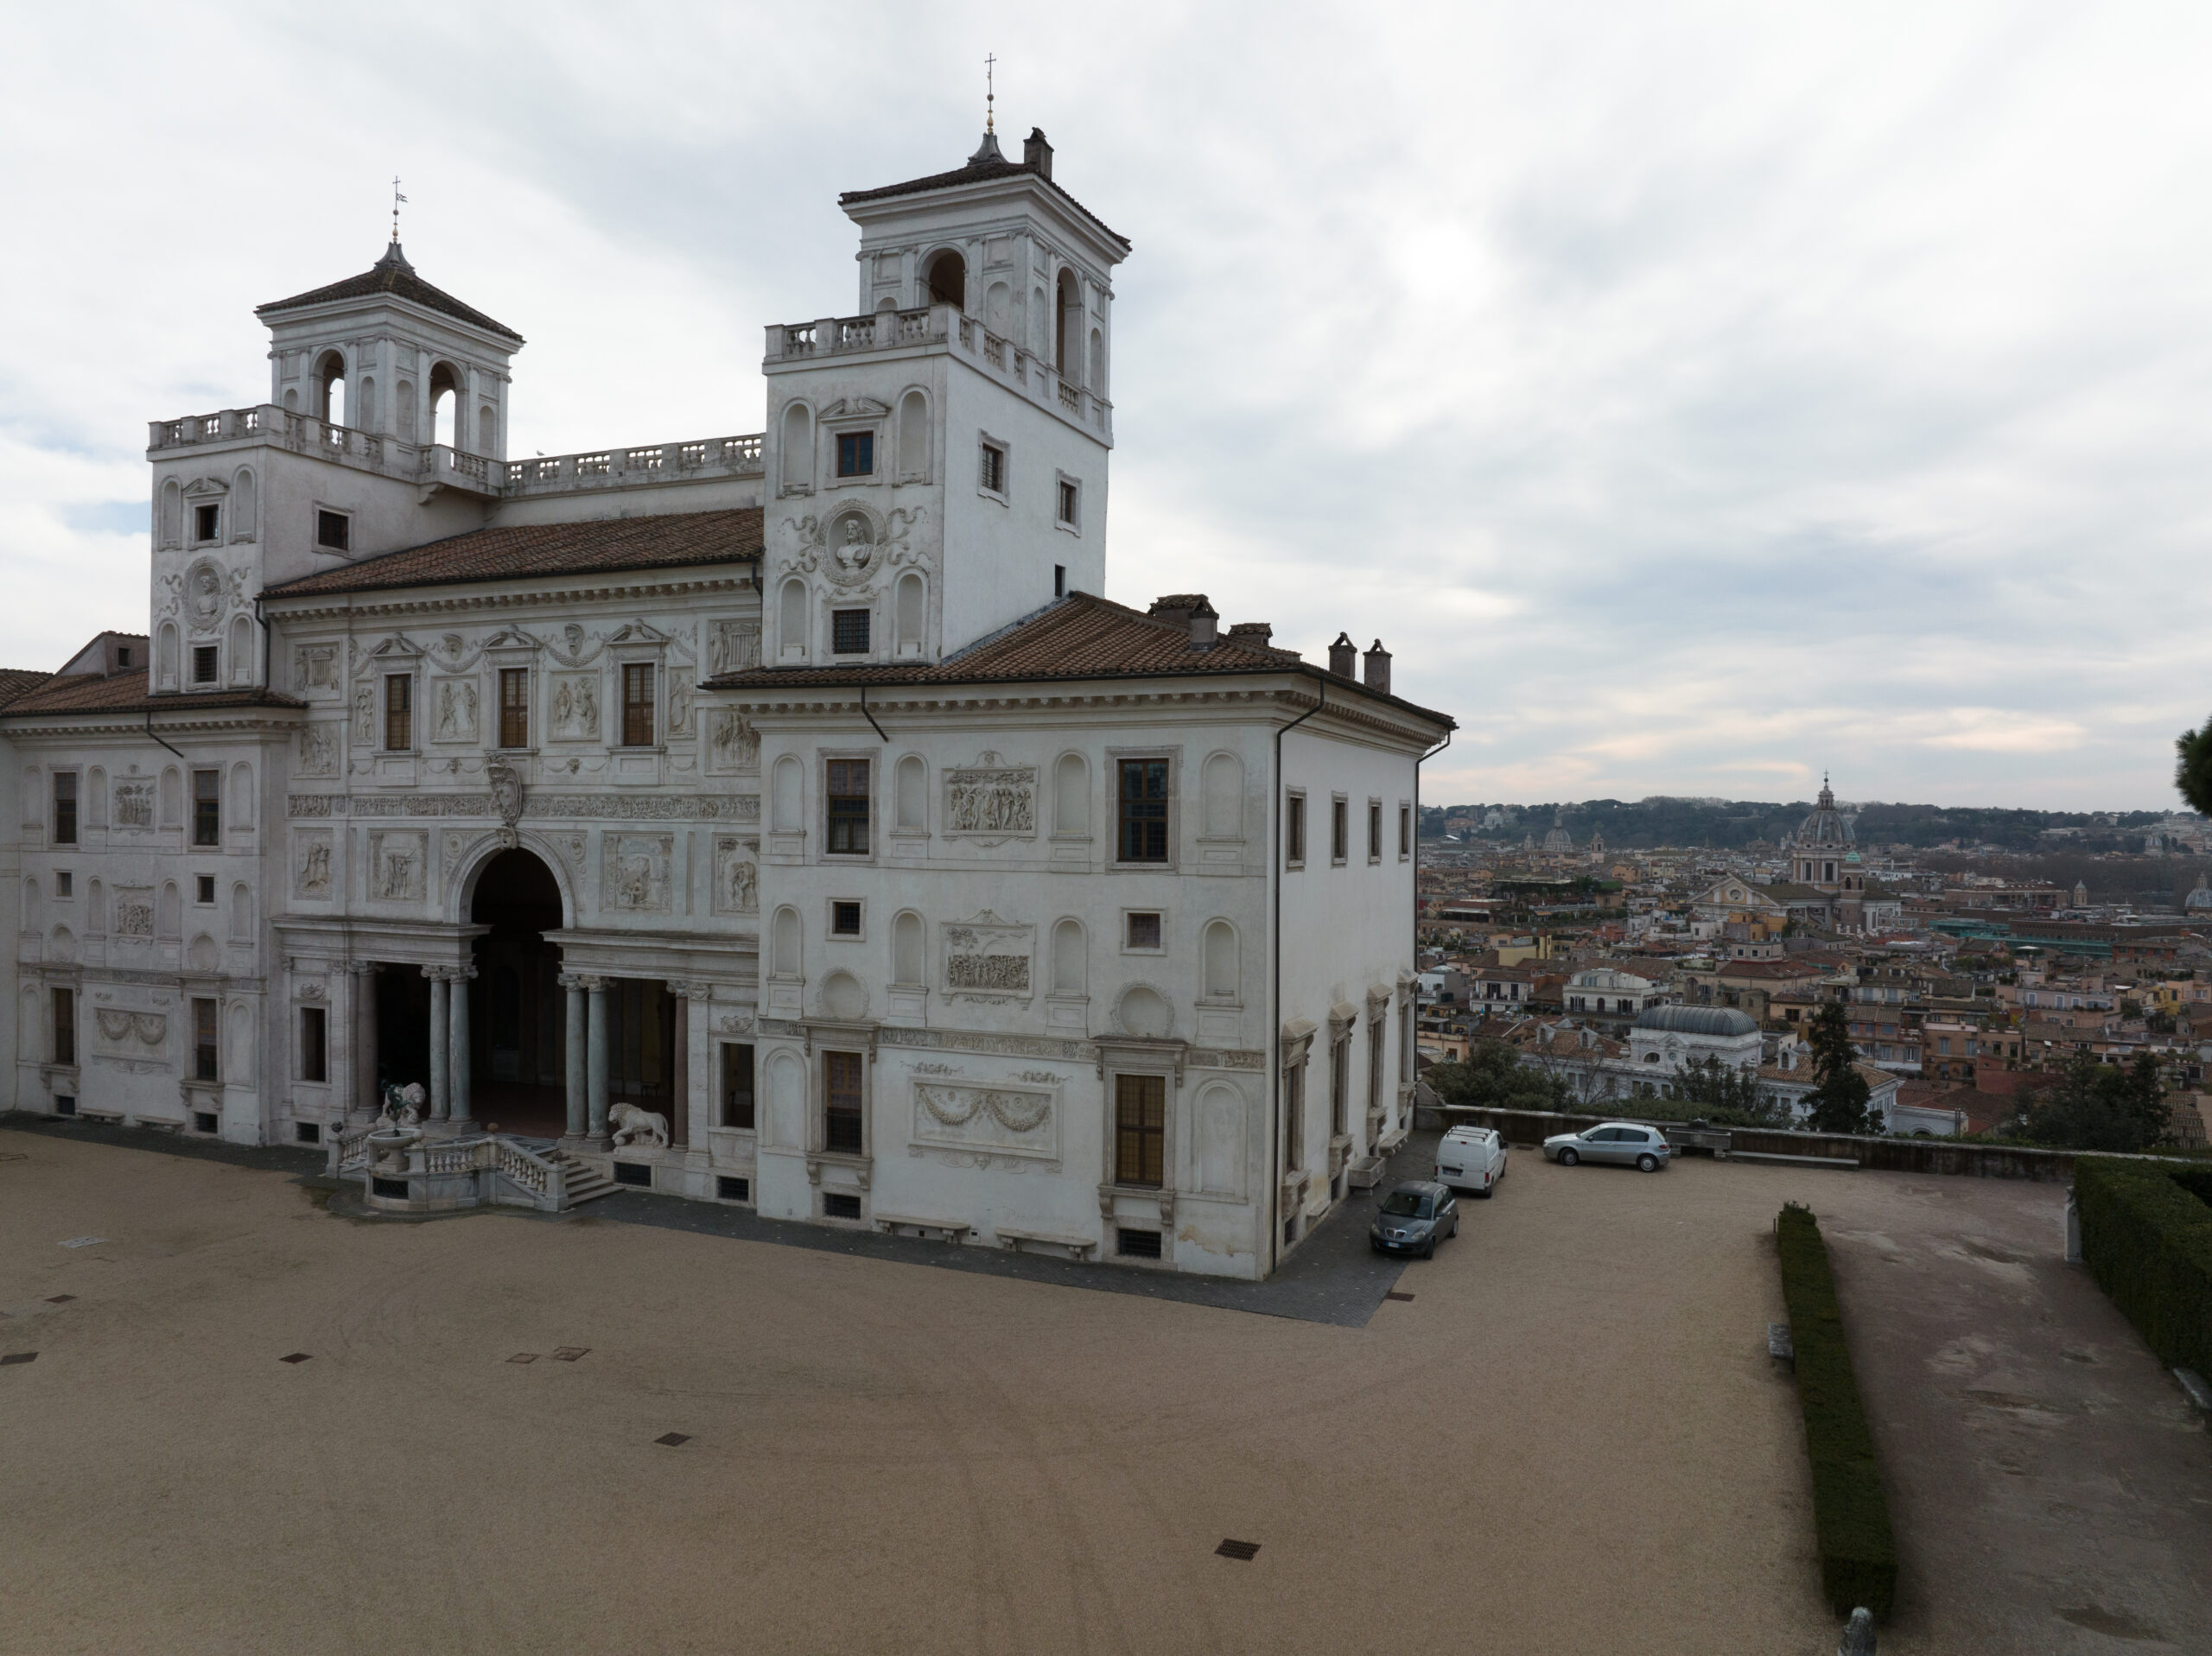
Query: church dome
x,y
1826,825
1696,1020
2200,898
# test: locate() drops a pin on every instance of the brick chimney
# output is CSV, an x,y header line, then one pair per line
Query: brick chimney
x,y
1344,656
1253,635
1203,621
1036,153
1378,669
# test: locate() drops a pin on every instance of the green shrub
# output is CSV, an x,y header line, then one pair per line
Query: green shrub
x,y
1851,1516
2146,1236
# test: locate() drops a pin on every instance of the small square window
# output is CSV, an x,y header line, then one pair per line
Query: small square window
x,y
848,632
308,1133
729,1189
206,889
205,664
1144,930
991,473
333,531
1069,511
123,655
845,919
207,522
857,453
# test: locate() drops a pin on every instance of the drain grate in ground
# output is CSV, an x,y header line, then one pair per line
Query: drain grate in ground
x,y
296,1357
18,1357
568,1354
59,1299
1246,1550
524,1357
673,1439
1395,1294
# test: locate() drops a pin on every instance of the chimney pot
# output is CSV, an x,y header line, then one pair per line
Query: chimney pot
x,y
1036,153
1203,621
1378,669
1343,654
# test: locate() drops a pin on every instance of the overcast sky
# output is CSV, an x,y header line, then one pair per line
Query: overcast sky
x,y
1692,396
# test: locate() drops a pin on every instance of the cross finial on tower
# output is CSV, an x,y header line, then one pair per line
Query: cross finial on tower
x,y
990,92
397,198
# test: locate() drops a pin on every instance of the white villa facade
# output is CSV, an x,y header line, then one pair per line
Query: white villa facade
x,y
801,790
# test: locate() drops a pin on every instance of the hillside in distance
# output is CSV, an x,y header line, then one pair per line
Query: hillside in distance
x,y
1736,825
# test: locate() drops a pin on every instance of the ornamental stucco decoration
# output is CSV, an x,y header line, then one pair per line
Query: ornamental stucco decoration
x,y
988,960
991,800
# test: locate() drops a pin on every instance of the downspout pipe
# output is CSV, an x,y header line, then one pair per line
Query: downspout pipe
x,y
870,717
1275,1031
163,740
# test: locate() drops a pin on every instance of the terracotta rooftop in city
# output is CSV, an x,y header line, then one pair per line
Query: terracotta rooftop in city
x,y
986,164
391,274
1079,636
535,550
128,692
16,681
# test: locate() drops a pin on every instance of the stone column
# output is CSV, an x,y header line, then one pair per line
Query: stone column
x,y
595,1068
363,977
441,1101
679,1090
457,1032
575,986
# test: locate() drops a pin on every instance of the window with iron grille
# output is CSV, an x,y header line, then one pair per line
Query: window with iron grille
x,y
65,1026
737,1085
991,473
856,454
207,665
1143,835
835,1206
848,632
842,1112
848,806
1137,1244
205,889
205,1064
333,531
1140,1129
637,704
1144,930
206,807
1339,830
845,919
314,1043
399,712
1070,503
64,808
514,706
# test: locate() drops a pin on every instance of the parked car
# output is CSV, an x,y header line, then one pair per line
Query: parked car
x,y
1471,1158
1645,1149
1413,1217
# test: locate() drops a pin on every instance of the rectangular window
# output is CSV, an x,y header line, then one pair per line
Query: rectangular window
x,y
848,632
1374,830
207,808
1143,835
1405,832
333,531
737,1085
835,1206
65,884
1339,830
845,919
204,1052
1339,1085
1060,580
204,665
841,1116
514,706
847,803
1293,830
64,808
1294,1117
991,473
857,453
207,522
637,704
204,892
314,1043
1140,1129
399,712
1071,500
65,1026
1144,931
1137,1244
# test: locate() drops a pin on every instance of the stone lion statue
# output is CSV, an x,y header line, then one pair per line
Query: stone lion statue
x,y
631,1124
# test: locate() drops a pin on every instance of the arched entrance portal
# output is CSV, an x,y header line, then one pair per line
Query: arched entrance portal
x,y
517,1056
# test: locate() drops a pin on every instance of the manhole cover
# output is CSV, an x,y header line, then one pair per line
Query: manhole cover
x,y
1246,1550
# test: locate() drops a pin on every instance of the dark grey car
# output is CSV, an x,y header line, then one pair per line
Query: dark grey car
x,y
1413,1217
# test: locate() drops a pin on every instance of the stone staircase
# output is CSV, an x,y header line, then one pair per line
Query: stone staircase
x,y
583,1182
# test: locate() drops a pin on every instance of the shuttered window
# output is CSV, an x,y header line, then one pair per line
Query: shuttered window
x,y
1140,1129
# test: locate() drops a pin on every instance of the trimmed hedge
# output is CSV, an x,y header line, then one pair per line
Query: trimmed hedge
x,y
2146,1236
1851,1516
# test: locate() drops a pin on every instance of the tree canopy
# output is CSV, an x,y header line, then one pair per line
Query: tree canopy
x,y
2095,1105
1841,1103
1494,1077
2193,774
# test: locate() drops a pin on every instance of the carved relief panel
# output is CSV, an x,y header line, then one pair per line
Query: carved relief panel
x,y
575,706
636,872
453,707
315,670
134,803
733,647
311,850
988,960
397,865
318,751
990,800
734,746
737,876
134,911
983,1121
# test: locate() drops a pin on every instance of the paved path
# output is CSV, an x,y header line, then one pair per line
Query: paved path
x,y
2052,1485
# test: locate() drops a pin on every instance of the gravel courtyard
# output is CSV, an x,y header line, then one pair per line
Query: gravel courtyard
x,y
1569,1440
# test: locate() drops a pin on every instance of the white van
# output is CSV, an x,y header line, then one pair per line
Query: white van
x,y
1471,1158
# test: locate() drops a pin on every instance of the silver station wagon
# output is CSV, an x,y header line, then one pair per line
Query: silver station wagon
x,y
1643,1148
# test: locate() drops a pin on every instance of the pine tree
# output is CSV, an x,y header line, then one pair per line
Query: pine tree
x,y
1840,1102
2193,774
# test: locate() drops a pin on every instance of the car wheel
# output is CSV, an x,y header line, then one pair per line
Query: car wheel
x,y
1568,1158
1647,1162
1455,1224
1429,1253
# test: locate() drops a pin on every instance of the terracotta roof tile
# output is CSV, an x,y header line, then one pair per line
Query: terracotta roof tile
x,y
127,691
1079,636
14,682
391,274
535,550
978,171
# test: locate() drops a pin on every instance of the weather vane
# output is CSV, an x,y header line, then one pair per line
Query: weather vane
x,y
990,92
397,198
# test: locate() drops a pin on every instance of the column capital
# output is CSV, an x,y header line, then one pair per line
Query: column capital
x,y
570,980
363,968
592,982
687,991
437,973
460,973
